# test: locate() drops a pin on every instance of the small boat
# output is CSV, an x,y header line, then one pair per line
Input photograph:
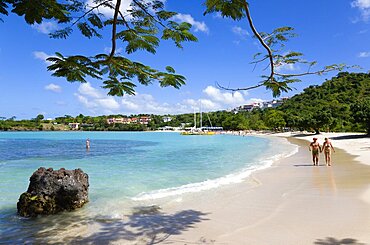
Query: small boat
x,y
198,131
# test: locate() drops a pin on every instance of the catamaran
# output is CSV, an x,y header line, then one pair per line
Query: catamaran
x,y
201,130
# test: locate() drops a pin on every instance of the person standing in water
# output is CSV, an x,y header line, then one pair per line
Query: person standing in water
x,y
88,144
327,147
315,148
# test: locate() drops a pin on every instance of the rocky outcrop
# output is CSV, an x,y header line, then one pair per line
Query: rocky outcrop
x,y
52,191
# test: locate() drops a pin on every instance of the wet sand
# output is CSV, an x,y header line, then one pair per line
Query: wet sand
x,y
292,202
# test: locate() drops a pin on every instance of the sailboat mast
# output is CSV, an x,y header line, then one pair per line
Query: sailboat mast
x,y
195,119
201,115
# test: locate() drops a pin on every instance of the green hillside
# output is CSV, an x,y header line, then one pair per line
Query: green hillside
x,y
339,104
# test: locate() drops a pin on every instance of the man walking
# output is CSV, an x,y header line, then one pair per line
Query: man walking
x,y
315,148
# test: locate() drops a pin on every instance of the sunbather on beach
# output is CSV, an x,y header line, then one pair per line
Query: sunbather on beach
x,y
315,148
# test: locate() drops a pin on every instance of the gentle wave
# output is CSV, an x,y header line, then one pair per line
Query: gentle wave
x,y
215,183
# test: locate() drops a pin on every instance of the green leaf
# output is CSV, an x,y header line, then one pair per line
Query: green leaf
x,y
74,68
36,11
64,33
178,33
227,8
137,41
95,20
170,69
117,88
165,15
87,30
3,7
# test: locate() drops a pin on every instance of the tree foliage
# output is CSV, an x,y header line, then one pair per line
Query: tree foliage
x,y
273,43
139,29
335,105
361,112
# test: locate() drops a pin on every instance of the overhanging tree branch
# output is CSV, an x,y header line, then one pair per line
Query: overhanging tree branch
x,y
89,11
114,30
238,89
275,81
147,12
260,39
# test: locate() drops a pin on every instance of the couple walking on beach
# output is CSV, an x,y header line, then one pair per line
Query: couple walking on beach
x,y
315,148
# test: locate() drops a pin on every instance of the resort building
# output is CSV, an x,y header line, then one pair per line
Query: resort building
x,y
127,120
167,119
144,120
123,120
74,126
260,105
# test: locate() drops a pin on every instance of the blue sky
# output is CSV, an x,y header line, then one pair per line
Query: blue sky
x,y
329,31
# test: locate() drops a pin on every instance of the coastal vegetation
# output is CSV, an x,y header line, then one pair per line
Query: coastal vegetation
x,y
341,104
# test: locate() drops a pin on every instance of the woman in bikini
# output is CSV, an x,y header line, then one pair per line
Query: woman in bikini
x,y
327,147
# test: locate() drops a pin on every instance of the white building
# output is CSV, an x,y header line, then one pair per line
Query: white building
x,y
74,126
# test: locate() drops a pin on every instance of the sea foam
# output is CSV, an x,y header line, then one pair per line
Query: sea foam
x,y
233,178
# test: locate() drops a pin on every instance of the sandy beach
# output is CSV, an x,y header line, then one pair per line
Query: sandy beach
x,y
291,202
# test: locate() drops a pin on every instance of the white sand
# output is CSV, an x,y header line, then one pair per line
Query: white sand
x,y
350,142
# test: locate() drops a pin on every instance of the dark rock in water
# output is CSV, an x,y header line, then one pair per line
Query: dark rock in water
x,y
52,191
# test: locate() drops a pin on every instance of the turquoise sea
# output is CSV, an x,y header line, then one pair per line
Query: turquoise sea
x,y
125,169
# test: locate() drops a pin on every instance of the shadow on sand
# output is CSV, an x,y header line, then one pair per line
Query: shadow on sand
x,y
333,241
304,165
349,137
343,137
151,227
146,225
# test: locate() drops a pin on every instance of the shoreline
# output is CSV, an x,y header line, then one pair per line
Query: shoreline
x,y
291,202
233,178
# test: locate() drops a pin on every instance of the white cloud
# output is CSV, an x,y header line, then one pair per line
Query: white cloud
x,y
363,31
87,90
96,101
286,67
255,100
217,15
82,99
209,105
131,106
364,7
53,87
239,31
226,98
214,99
45,27
198,26
145,103
364,54
246,93
40,55
107,50
362,4
108,12
108,103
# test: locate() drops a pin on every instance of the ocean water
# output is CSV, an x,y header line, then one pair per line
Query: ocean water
x,y
125,169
